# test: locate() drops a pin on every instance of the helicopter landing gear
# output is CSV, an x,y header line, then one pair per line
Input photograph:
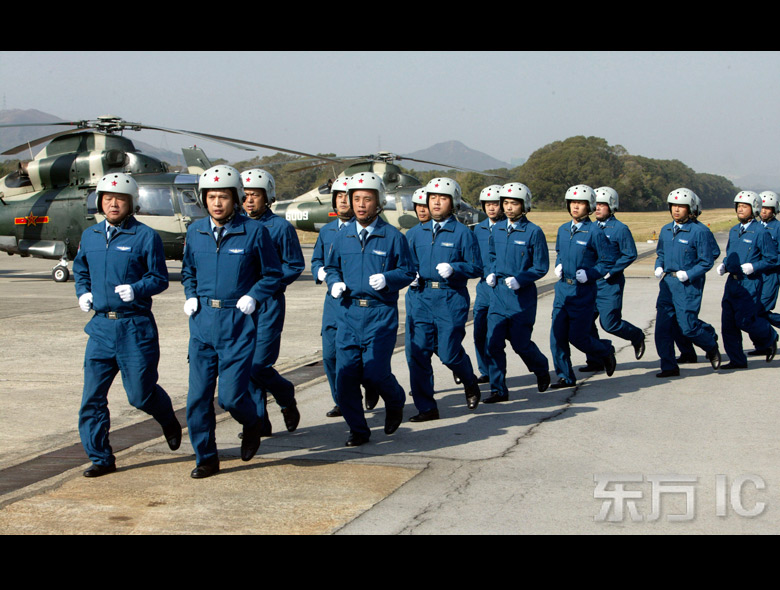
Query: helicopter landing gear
x,y
60,273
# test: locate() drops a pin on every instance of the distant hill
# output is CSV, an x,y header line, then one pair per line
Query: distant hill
x,y
455,154
13,136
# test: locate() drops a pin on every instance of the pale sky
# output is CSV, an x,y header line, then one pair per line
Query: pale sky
x,y
715,111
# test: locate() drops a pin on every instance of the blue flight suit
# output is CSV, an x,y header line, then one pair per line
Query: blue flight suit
x,y
741,308
222,338
325,238
678,304
367,319
482,231
415,308
123,335
586,248
609,298
270,319
442,305
521,253
771,278
684,344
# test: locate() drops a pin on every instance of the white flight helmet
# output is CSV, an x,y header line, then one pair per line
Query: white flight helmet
x,y
339,185
582,192
751,198
420,197
367,181
445,186
516,190
608,195
222,177
771,200
696,207
117,182
257,178
684,196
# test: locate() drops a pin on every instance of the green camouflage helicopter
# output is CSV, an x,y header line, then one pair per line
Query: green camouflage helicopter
x,y
312,210
46,203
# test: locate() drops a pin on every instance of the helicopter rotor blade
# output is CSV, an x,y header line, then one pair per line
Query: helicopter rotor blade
x,y
34,142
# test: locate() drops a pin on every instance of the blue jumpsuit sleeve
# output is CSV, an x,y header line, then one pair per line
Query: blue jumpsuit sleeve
x,y
605,257
81,272
155,279
626,250
270,267
317,258
333,262
704,260
768,250
491,265
291,254
405,269
659,251
541,260
471,266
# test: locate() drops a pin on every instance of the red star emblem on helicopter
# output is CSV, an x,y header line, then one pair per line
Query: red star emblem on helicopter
x,y
31,220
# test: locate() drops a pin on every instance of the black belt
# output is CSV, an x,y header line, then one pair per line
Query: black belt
x,y
118,315
219,303
364,302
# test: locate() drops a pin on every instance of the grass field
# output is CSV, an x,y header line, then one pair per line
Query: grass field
x,y
644,226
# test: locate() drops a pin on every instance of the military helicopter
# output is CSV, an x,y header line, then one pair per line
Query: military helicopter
x,y
46,203
312,210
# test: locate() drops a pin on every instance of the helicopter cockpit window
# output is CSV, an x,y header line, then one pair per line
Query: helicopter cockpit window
x,y
92,203
406,202
390,202
154,200
188,203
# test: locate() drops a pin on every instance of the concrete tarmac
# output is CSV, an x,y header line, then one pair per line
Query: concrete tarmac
x,y
627,454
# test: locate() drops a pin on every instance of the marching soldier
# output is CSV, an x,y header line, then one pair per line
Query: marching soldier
x,y
367,265
491,205
120,266
750,252
583,255
229,266
609,298
446,254
684,254
260,193
518,257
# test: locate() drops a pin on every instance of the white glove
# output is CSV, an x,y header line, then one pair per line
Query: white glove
x,y
682,275
491,280
337,289
581,275
606,276
512,283
747,268
191,306
721,269
377,281
659,272
416,281
444,269
246,304
125,292
85,302
321,274
559,271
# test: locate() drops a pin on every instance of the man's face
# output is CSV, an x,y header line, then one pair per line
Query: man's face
x,y
680,213
220,205
365,203
493,210
512,207
343,208
422,212
440,206
767,213
116,206
602,211
578,209
744,212
256,202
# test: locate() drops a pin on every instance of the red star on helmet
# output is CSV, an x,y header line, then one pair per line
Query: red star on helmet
x,y
113,183
509,190
361,180
216,179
